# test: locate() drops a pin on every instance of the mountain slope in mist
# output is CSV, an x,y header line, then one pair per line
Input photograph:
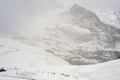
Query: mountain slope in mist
x,y
43,49
76,35
16,54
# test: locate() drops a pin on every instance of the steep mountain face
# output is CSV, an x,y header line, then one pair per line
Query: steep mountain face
x,y
112,18
109,17
86,19
80,39
104,36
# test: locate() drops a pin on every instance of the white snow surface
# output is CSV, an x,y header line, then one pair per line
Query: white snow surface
x,y
24,62
16,53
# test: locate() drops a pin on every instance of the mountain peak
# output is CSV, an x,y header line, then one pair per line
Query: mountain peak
x,y
78,11
77,7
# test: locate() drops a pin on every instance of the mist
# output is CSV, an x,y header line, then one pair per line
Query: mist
x,y
32,15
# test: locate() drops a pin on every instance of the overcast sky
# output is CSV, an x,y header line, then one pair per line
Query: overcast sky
x,y
16,13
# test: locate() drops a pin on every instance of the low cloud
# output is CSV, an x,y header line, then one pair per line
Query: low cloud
x,y
17,14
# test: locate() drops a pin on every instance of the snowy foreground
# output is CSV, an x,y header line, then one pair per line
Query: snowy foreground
x,y
105,71
24,62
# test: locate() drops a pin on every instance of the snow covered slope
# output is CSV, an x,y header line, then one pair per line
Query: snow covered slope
x,y
16,54
104,71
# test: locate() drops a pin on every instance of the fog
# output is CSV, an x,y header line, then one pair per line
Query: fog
x,y
17,15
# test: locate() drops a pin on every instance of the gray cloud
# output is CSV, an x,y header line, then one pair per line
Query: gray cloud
x,y
14,14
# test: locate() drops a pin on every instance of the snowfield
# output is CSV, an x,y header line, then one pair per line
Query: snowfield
x,y
24,62
14,53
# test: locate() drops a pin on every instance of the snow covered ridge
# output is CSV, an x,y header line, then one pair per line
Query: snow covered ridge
x,y
79,37
105,71
109,17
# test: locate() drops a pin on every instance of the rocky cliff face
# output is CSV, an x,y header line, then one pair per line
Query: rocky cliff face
x,y
82,39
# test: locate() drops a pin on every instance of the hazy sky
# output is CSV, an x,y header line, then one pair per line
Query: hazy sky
x,y
17,13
